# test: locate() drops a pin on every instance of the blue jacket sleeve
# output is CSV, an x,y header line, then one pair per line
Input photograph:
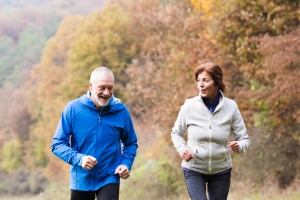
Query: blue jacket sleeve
x,y
61,141
129,141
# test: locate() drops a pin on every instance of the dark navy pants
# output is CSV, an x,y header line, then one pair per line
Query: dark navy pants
x,y
217,185
108,192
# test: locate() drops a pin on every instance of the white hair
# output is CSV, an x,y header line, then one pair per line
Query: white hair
x,y
99,70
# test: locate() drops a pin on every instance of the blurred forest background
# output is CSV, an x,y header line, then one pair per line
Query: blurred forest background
x,y
48,49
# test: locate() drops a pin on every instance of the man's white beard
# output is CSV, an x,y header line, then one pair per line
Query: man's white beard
x,y
98,100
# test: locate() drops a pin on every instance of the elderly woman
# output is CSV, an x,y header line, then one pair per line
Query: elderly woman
x,y
209,119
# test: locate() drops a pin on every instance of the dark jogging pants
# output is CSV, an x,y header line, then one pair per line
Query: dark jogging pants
x,y
108,192
217,185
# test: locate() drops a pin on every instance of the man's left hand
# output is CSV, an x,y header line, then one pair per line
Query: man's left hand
x,y
123,171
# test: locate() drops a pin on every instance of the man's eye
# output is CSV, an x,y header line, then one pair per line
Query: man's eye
x,y
104,88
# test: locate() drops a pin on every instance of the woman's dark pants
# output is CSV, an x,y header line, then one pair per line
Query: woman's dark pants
x,y
217,185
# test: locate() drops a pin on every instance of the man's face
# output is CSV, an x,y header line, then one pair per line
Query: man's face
x,y
102,89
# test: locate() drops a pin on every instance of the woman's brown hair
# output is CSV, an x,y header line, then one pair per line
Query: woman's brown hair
x,y
214,71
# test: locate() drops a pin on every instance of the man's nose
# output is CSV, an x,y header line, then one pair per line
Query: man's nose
x,y
106,91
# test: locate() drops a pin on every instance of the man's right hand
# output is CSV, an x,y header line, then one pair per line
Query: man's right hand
x,y
88,162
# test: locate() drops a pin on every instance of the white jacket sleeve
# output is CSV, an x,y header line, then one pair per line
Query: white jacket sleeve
x,y
178,131
240,132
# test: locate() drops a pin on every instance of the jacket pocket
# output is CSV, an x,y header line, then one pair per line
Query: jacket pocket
x,y
115,161
226,155
200,154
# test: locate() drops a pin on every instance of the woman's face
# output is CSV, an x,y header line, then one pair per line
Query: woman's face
x,y
206,85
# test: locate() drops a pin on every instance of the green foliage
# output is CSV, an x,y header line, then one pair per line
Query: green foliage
x,y
57,190
155,179
25,53
103,39
6,44
240,20
254,85
12,156
40,156
23,181
43,106
3,187
260,119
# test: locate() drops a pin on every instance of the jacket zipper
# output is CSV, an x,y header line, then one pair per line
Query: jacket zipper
x,y
209,145
210,134
209,140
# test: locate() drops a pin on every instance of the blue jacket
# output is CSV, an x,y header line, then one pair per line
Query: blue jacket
x,y
85,130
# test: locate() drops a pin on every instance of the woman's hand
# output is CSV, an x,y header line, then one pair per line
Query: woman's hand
x,y
234,146
188,155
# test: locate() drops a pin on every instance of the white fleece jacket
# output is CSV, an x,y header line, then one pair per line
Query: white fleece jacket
x,y
208,134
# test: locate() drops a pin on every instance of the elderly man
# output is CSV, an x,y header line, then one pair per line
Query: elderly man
x,y
89,137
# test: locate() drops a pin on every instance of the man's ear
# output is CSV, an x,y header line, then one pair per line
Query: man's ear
x,y
90,86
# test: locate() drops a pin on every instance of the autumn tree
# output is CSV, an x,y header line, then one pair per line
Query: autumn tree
x,y
233,24
24,31
152,47
277,101
80,45
46,96
162,73
256,66
103,39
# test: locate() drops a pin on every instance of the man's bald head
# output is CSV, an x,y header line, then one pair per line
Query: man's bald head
x,y
101,71
101,86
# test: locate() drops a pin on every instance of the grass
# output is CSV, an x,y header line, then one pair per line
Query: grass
x,y
269,191
37,197
270,196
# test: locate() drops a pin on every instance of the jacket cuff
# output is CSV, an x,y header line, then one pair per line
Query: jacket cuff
x,y
79,158
127,165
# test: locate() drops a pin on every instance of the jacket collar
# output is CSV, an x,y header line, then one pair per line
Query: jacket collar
x,y
221,100
113,104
